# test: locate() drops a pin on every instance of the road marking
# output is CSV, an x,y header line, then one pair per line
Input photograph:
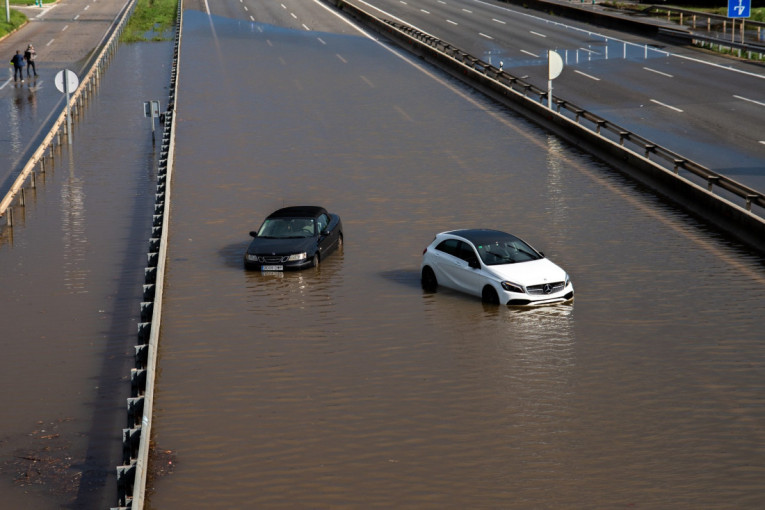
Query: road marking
x,y
341,58
587,75
245,8
207,8
667,106
86,8
252,18
467,11
452,22
403,113
423,10
283,6
293,15
306,27
484,35
50,42
761,141
537,33
658,72
529,53
747,99
588,50
65,27
404,3
4,84
499,21
321,41
75,18
366,80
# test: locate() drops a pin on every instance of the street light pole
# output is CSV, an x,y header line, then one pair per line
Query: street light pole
x,y
7,11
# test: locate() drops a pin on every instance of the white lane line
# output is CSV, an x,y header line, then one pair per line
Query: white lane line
x,y
404,3
207,8
50,42
499,21
658,72
4,84
761,141
322,41
467,11
484,35
306,27
293,15
283,6
537,33
403,113
252,18
747,99
245,8
441,2
75,18
65,27
424,11
341,58
667,106
452,22
588,50
587,75
86,8
529,53
366,80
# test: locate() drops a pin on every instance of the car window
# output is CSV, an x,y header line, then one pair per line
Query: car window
x,y
506,250
466,252
322,222
449,246
282,228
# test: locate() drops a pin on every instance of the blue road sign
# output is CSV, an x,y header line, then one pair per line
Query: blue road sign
x,y
739,8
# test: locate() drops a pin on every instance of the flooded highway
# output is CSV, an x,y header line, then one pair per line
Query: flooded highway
x,y
347,386
71,271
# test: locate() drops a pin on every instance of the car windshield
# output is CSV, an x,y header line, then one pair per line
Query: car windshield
x,y
506,250
287,228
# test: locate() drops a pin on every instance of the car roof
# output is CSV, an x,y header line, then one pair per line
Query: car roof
x,y
298,211
479,235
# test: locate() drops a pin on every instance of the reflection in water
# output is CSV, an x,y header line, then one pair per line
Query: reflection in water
x,y
75,241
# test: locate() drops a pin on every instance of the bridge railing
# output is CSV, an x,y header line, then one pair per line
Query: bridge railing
x,y
77,100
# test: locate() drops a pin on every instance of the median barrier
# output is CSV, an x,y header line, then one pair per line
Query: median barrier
x,y
736,209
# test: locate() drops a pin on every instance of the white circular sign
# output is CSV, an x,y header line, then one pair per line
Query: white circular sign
x,y
554,64
71,81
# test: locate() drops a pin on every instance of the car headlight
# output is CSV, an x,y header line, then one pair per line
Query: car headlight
x,y
513,287
567,281
252,258
296,256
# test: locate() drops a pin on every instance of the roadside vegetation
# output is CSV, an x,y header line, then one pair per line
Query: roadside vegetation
x,y
17,19
152,20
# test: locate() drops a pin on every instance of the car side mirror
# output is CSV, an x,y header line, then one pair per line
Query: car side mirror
x,y
325,232
474,264
253,233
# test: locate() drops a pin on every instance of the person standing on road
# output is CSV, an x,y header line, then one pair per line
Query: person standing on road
x,y
30,55
18,66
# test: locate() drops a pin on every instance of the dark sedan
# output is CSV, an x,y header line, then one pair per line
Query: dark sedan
x,y
294,238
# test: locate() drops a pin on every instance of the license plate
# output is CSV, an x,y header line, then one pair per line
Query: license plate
x,y
272,268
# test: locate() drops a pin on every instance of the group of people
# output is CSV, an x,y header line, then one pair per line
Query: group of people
x,y
19,60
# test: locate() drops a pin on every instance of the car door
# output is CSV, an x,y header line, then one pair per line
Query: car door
x,y
326,242
453,261
468,279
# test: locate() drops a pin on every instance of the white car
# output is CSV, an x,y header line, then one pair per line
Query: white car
x,y
495,266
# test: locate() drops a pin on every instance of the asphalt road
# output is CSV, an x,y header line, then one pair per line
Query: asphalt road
x,y
705,107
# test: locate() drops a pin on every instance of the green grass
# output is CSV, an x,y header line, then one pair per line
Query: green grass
x,y
152,20
28,2
17,19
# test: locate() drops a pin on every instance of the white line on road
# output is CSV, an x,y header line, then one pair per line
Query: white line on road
x,y
245,8
207,8
761,141
403,113
747,99
423,10
537,33
467,11
321,41
252,18
4,84
86,8
341,58
499,21
667,106
306,27
452,22
587,75
75,18
293,15
65,27
50,42
366,80
658,72
484,35
529,53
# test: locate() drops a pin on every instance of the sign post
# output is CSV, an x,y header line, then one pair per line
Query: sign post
x,y
739,9
66,86
554,68
151,110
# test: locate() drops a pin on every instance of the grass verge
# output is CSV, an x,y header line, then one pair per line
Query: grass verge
x,y
17,19
152,20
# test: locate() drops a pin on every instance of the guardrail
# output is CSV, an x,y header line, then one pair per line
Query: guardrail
x,y
736,208
85,90
136,438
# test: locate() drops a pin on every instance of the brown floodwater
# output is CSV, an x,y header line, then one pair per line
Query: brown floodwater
x,y
349,387
71,272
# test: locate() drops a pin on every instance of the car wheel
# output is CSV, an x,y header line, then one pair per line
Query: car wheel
x,y
489,295
315,260
429,281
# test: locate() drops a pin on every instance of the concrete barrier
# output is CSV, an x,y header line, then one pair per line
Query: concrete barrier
x,y
736,209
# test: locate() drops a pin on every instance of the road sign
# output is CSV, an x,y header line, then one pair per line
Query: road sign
x,y
554,68
71,81
151,109
739,8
